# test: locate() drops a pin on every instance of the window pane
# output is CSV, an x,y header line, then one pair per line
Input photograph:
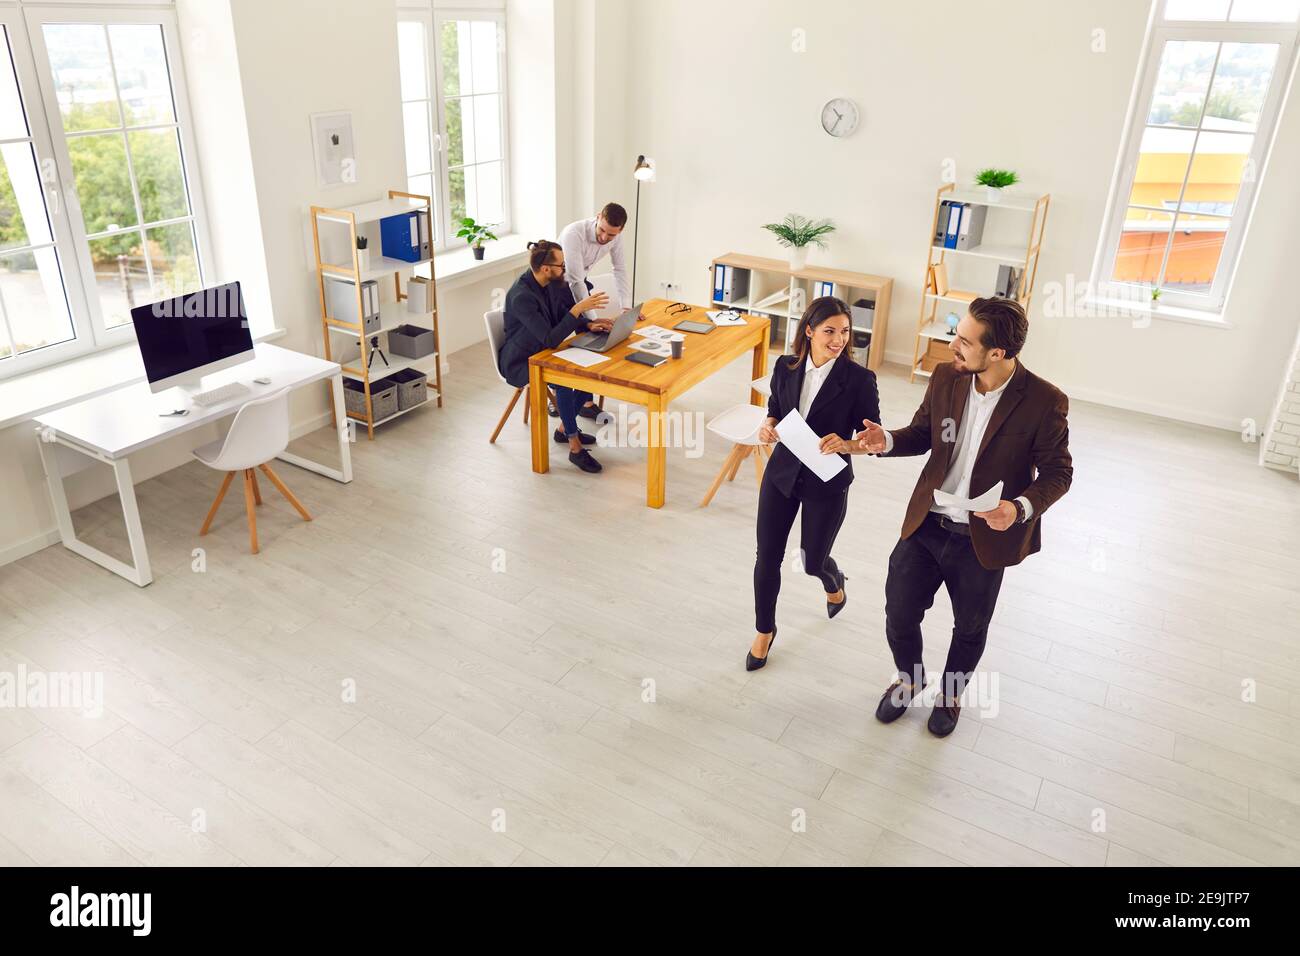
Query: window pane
x,y
142,79
490,209
456,191
103,184
83,81
121,280
423,186
174,260
13,120
487,127
1218,169
1194,256
412,63
451,60
23,219
415,124
1181,83
471,193
1240,86
156,161
1142,246
1196,9
1162,165
468,119
1275,11
455,134
34,305
483,59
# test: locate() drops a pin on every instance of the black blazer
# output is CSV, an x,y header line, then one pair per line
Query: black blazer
x,y
537,319
846,397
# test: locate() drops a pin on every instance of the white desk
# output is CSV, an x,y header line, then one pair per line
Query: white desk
x,y
108,428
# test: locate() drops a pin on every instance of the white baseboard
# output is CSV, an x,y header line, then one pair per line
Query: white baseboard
x,y
22,549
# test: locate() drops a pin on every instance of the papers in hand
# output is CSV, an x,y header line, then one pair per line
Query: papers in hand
x,y
806,446
581,357
985,502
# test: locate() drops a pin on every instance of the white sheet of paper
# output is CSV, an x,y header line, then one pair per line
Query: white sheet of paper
x,y
582,357
985,502
726,317
805,444
659,332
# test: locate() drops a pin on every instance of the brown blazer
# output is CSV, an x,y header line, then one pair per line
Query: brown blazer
x,y
1026,446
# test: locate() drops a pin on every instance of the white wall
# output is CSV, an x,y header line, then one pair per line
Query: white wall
x,y
730,112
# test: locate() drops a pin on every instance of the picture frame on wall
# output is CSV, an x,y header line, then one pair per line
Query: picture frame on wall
x,y
334,148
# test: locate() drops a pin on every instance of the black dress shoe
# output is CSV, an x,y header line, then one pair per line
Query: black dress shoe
x,y
582,436
831,607
583,460
943,719
894,704
753,663
588,411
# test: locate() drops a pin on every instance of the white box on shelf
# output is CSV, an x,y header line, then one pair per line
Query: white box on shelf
x,y
417,295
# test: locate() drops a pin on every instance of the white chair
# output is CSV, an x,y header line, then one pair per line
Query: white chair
x,y
739,425
495,322
259,433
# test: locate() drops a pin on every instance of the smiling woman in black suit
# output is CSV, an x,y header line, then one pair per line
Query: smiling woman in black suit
x,y
833,394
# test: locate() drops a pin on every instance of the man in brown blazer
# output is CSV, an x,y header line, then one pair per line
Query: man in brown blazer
x,y
985,418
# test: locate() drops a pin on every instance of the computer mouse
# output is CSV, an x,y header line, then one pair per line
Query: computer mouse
x,y
262,381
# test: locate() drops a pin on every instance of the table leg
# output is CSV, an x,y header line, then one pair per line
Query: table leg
x,y
759,368
346,431
537,402
656,454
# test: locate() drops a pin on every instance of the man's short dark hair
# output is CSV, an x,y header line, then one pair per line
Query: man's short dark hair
x,y
614,214
1006,326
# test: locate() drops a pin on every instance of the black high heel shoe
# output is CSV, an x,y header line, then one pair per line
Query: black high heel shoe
x,y
753,663
831,608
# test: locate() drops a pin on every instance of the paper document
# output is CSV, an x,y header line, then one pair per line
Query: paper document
x,y
582,357
653,346
726,317
805,444
985,502
660,333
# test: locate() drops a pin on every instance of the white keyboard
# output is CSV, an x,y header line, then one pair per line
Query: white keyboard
x,y
215,396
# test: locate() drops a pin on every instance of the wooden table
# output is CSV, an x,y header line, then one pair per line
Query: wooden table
x,y
652,388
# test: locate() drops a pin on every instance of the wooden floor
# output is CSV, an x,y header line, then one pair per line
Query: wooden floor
x,y
547,672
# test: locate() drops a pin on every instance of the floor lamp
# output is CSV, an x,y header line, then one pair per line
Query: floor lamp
x,y
643,171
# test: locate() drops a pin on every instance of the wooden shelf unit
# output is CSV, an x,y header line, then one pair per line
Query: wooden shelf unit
x,y
364,219
769,276
932,336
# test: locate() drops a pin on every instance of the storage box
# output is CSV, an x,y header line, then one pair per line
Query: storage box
x,y
411,387
411,341
383,397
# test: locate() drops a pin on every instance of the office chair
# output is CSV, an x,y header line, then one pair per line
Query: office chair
x,y
739,425
259,433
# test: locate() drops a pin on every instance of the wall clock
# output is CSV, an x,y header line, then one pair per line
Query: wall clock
x,y
840,116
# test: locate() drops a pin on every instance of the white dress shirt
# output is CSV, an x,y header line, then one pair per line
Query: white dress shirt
x,y
813,380
970,435
582,252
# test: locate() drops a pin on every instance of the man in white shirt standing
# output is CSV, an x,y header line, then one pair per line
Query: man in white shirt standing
x,y
985,418
585,243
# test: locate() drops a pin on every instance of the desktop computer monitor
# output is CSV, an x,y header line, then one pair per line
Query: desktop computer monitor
x,y
188,336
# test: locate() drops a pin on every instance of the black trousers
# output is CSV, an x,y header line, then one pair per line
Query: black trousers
x,y
820,523
918,565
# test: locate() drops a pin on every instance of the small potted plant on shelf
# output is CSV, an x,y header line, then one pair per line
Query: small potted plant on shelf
x,y
994,181
797,233
1155,295
363,253
475,233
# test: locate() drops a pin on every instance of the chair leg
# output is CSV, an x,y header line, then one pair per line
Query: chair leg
x,y
601,403
527,407
717,482
275,480
509,408
742,451
257,492
212,512
250,507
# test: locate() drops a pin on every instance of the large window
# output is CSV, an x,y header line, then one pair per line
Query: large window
x,y
99,208
1207,110
452,66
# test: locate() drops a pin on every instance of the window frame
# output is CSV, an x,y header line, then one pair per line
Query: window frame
x,y
45,123
433,19
1162,32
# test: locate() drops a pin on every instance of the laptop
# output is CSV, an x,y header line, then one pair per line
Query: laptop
x,y
604,341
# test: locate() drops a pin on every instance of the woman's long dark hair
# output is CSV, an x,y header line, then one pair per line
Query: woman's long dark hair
x,y
818,311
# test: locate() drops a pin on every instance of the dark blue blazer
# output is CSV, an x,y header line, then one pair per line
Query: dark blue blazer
x,y
846,397
537,319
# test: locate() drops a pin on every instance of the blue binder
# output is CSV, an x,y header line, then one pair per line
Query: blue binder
x,y
399,237
719,281
954,223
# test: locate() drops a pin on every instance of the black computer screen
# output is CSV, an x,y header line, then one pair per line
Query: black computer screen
x,y
189,331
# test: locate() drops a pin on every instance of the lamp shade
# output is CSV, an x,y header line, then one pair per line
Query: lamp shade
x,y
644,169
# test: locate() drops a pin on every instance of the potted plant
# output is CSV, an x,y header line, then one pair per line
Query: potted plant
x,y
363,253
797,233
994,181
475,233
1155,295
